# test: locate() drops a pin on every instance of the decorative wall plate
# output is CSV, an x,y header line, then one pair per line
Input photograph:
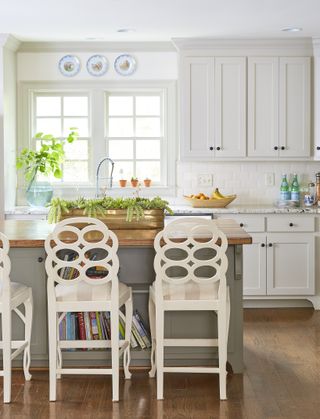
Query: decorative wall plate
x,y
69,65
125,65
97,65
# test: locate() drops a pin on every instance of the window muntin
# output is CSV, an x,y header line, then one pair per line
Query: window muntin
x,y
55,114
135,135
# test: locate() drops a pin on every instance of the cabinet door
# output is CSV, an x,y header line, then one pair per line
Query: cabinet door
x,y
197,107
255,266
294,117
230,107
290,266
263,106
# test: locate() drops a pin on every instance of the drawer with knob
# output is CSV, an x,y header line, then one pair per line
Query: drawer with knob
x,y
293,223
250,223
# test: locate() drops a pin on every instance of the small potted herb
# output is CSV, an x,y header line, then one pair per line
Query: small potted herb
x,y
134,181
147,182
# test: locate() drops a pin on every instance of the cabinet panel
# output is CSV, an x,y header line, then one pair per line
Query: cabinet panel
x,y
294,121
197,107
263,106
290,264
230,107
250,223
290,223
255,266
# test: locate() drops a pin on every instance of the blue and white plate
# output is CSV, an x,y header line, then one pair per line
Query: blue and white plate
x,y
97,65
125,65
69,65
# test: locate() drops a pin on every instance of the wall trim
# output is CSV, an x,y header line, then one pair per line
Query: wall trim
x,y
96,46
10,42
245,46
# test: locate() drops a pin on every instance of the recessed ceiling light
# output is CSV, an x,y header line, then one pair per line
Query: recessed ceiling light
x,y
291,29
94,38
125,30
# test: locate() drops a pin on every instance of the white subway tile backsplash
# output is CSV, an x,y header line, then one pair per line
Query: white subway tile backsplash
x,y
246,179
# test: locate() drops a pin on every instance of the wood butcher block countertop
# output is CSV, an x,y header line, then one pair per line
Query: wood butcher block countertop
x,y
32,233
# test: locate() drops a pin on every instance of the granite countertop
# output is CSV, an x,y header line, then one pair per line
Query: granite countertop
x,y
188,209
245,209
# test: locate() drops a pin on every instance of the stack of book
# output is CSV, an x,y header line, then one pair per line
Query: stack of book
x,y
96,325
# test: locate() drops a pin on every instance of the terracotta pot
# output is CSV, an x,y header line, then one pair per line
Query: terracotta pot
x,y
123,183
147,183
134,183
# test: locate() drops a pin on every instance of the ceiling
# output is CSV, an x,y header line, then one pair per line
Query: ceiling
x,y
156,20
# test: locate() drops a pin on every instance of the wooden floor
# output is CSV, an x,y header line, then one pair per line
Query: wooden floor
x,y
282,380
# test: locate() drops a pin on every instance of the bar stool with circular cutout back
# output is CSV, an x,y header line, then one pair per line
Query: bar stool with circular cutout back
x,y
12,296
190,266
82,267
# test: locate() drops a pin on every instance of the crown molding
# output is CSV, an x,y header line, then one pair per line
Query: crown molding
x,y
316,46
10,42
265,45
96,46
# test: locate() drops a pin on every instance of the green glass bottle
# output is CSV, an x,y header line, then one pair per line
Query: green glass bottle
x,y
284,188
295,188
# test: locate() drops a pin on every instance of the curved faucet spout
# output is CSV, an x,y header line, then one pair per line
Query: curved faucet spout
x,y
109,179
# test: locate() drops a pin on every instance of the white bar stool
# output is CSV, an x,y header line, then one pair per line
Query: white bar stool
x,y
13,295
93,245
190,266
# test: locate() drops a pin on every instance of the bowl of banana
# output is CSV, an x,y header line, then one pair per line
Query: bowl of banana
x,y
216,200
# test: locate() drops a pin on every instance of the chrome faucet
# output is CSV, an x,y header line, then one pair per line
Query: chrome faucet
x,y
108,179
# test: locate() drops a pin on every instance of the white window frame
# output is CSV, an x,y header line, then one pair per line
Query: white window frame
x,y
34,95
97,117
163,138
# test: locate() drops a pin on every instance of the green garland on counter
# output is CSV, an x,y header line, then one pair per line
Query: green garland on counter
x,y
94,207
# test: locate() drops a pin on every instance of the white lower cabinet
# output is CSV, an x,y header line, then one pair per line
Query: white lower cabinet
x,y
255,266
290,264
280,262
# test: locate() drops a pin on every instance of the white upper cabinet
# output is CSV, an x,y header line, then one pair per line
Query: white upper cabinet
x,y
197,107
263,106
230,113
230,107
279,107
294,104
213,108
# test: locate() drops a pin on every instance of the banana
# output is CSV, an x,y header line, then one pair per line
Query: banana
x,y
217,195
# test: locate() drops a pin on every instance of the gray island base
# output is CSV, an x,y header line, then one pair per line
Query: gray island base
x,y
136,270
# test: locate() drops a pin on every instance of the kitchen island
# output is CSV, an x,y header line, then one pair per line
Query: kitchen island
x,y
136,269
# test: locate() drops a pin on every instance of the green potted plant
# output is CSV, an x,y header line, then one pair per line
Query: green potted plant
x,y
134,181
46,161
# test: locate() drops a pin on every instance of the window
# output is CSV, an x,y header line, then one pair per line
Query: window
x,y
132,123
135,135
55,114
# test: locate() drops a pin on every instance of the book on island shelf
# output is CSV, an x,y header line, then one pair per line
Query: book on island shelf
x,y
96,325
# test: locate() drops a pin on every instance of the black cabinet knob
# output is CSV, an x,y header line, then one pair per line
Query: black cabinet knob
x,y
318,147
40,259
241,224
290,224
218,148
270,245
263,245
283,147
275,147
210,148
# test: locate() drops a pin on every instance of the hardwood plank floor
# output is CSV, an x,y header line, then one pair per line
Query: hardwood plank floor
x,y
281,380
